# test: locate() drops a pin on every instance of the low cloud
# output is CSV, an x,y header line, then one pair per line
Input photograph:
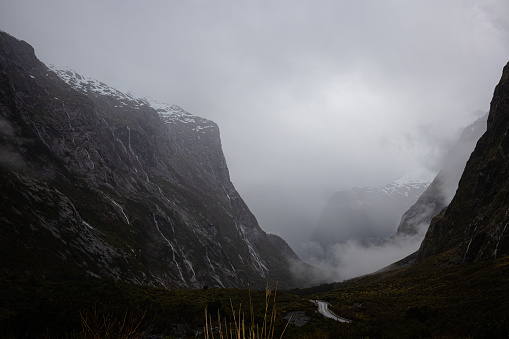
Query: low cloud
x,y
352,259
9,157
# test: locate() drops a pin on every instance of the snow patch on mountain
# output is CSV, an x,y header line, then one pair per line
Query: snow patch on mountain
x,y
369,214
173,113
412,181
93,86
168,113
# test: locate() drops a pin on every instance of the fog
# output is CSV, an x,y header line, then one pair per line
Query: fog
x,y
311,97
362,253
345,261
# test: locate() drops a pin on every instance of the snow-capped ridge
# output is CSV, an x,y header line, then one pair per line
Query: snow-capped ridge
x,y
92,86
173,113
368,214
168,113
414,180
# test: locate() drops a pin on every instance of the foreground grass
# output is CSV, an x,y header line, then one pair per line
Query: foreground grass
x,y
34,308
243,328
434,299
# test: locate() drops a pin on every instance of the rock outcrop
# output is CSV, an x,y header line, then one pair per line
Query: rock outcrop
x,y
98,183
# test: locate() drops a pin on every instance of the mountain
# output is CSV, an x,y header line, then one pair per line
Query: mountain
x,y
98,183
369,214
440,192
474,225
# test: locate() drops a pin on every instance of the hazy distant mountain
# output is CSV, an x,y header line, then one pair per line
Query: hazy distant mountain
x,y
98,183
369,214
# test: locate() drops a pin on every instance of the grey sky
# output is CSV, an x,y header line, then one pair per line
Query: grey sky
x,y
310,96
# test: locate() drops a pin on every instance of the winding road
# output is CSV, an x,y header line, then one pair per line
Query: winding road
x,y
323,309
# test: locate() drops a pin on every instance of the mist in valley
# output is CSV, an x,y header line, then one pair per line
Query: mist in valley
x,y
361,251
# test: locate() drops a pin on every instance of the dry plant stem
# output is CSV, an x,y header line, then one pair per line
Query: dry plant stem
x,y
207,324
264,328
107,326
238,330
251,330
219,322
234,317
285,328
273,318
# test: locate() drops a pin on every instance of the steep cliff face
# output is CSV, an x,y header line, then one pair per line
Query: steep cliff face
x,y
474,224
96,182
440,192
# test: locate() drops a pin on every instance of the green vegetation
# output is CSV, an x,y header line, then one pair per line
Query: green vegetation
x,y
437,298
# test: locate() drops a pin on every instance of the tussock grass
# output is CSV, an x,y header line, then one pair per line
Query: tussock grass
x,y
101,325
238,329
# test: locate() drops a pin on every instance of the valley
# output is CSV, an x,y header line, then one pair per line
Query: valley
x,y
118,214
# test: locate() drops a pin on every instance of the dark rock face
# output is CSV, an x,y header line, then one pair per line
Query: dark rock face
x,y
440,192
98,183
474,224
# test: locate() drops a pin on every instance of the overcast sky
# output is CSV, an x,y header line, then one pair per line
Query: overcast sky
x,y
310,96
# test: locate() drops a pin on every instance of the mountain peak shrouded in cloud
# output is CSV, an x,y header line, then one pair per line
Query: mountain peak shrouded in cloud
x,y
368,214
359,252
415,178
349,237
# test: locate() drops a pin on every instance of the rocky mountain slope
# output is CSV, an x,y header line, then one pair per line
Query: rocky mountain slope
x,y
369,214
98,183
440,192
474,225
